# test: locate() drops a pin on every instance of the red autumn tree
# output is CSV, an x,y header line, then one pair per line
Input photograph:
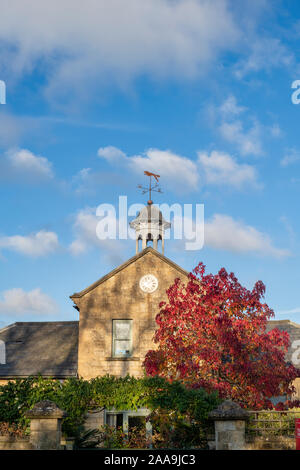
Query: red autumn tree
x,y
212,334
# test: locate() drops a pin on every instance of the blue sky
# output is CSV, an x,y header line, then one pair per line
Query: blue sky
x,y
197,91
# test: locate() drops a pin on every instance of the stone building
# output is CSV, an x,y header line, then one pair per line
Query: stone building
x,y
116,318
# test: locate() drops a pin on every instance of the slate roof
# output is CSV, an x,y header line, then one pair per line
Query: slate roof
x,y
48,348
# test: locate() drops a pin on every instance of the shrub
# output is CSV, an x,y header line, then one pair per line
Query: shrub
x,y
12,430
184,409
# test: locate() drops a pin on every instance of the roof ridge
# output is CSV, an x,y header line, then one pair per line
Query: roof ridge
x,y
7,327
38,323
131,260
50,321
285,321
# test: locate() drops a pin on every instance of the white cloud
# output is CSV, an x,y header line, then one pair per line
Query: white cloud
x,y
247,141
236,126
180,173
265,53
224,233
84,228
221,168
35,245
114,41
221,232
17,301
24,165
24,160
291,156
111,154
229,108
81,181
175,169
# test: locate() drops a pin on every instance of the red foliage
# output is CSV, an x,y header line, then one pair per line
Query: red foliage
x,y
212,334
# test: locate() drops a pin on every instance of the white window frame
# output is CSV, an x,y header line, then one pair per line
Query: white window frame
x,y
114,339
128,413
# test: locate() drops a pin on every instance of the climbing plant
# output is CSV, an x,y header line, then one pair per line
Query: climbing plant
x,y
77,396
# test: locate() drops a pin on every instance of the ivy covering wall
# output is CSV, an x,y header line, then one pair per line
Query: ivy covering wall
x,y
77,396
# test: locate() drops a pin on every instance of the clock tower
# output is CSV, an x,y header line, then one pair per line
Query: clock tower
x,y
117,312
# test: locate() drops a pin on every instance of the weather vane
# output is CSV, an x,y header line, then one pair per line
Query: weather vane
x,y
151,188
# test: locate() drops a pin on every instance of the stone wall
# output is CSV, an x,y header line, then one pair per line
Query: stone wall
x,y
12,443
3,382
293,355
45,425
229,423
274,443
120,297
95,419
261,443
229,426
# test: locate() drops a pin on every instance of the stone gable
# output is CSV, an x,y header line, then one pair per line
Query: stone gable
x,y
118,296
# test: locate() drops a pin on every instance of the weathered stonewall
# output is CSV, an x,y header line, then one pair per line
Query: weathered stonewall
x,y
229,420
45,425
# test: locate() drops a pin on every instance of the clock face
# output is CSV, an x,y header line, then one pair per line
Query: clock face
x,y
148,283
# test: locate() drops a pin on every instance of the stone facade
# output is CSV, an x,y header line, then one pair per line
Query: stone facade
x,y
45,425
118,296
293,329
229,419
275,443
12,443
293,354
94,419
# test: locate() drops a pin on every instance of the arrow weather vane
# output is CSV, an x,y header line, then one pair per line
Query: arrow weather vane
x,y
151,188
